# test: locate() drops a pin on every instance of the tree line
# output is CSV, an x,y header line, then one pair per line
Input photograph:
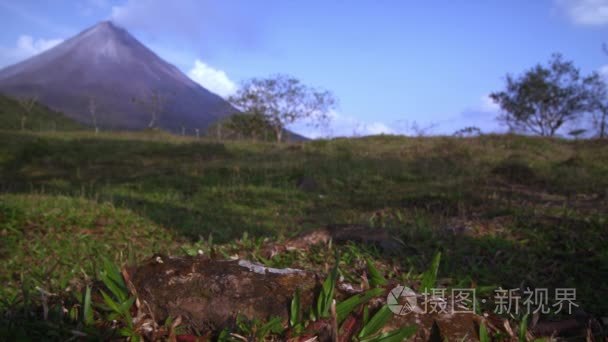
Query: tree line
x,y
542,100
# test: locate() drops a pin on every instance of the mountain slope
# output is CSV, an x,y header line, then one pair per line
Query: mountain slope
x,y
41,118
107,63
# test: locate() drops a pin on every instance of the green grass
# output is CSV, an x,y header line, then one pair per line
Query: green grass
x,y
503,210
51,240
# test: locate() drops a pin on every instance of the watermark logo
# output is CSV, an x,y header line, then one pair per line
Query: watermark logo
x,y
403,300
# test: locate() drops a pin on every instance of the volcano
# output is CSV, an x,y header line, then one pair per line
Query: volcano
x,y
122,76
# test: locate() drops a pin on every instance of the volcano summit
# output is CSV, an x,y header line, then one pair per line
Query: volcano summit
x,y
109,65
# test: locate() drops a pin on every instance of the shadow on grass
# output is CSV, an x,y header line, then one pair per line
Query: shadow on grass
x,y
439,182
214,219
542,252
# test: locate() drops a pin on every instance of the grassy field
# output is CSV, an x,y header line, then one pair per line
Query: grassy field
x,y
504,211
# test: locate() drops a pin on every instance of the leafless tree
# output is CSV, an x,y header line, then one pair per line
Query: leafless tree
x,y
219,131
597,103
93,112
415,129
27,104
155,104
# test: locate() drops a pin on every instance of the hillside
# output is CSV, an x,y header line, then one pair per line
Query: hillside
x,y
41,118
504,210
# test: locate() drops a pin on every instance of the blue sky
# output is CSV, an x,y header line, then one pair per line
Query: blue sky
x,y
392,64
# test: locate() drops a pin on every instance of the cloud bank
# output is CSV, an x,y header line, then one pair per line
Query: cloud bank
x,y
341,125
25,47
481,115
603,71
585,12
212,79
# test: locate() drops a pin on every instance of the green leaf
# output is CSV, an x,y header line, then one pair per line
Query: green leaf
x,y
429,277
376,278
87,307
110,302
483,333
73,313
272,326
376,322
294,314
126,305
397,335
128,332
523,328
223,336
118,292
112,279
327,292
365,315
344,308
243,324
113,272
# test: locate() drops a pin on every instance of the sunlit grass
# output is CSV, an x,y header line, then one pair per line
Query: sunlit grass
x,y
503,210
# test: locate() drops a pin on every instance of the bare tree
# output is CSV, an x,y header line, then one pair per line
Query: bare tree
x,y
155,104
597,97
415,129
599,101
27,104
93,112
219,131
283,100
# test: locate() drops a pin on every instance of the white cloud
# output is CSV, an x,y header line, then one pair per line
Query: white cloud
x,y
586,12
212,79
376,127
25,47
481,114
30,46
340,125
603,71
487,105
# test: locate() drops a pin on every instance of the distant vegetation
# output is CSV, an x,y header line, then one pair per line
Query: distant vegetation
x,y
281,100
542,101
243,126
38,118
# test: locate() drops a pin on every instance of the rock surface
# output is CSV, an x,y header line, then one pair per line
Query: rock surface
x,y
209,294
